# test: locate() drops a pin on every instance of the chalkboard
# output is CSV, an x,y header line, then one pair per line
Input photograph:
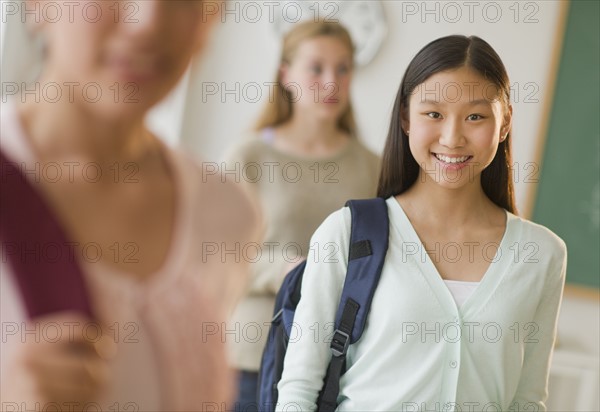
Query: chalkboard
x,y
568,196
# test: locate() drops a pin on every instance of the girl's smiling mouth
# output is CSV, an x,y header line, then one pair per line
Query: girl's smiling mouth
x,y
452,161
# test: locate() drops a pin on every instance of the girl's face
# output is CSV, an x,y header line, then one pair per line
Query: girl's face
x,y
319,77
124,56
455,123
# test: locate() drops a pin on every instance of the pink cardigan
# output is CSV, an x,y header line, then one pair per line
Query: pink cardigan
x,y
167,329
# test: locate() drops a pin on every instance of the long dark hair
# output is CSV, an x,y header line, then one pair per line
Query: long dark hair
x,y
399,169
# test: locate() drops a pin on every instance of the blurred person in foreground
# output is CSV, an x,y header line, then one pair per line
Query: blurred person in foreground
x,y
155,293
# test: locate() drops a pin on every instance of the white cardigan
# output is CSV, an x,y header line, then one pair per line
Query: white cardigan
x,y
419,351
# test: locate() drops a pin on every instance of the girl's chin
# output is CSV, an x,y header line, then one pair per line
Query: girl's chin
x,y
120,100
448,177
111,111
329,111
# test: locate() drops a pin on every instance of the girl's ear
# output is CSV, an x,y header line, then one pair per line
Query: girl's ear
x,y
283,73
507,123
404,122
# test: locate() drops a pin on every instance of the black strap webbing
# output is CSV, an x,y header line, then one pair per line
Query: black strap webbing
x,y
360,249
339,346
368,247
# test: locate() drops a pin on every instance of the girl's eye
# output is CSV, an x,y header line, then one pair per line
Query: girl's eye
x,y
474,117
316,69
343,70
434,115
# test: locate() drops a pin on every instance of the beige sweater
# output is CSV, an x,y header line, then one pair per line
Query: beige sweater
x,y
295,195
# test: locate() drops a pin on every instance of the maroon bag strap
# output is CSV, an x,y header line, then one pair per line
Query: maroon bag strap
x,y
36,247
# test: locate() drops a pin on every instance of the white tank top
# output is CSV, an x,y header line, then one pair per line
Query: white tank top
x,y
460,290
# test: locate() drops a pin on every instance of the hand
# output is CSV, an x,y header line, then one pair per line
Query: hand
x,y
63,363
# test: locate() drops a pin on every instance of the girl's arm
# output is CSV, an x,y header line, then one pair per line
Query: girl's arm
x,y
308,352
532,391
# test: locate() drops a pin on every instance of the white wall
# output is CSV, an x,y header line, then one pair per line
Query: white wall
x,y
244,51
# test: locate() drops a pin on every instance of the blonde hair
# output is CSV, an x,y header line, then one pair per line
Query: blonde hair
x,y
278,110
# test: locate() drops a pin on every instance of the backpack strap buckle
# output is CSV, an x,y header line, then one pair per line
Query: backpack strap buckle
x,y
340,343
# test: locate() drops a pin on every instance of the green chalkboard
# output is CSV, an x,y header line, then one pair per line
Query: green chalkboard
x,y
568,197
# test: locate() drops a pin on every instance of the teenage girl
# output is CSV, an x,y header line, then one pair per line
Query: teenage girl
x,y
464,316
302,163
136,214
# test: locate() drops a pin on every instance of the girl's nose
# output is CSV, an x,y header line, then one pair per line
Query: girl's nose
x,y
452,135
329,77
142,18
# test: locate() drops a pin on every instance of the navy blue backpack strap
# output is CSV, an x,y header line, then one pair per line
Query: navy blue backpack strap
x,y
369,241
271,364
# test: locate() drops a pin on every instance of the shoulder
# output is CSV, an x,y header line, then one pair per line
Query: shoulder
x,y
360,147
14,145
332,237
335,226
362,155
250,147
221,208
541,235
221,223
543,245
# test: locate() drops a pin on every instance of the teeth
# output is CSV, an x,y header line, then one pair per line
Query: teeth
x,y
447,159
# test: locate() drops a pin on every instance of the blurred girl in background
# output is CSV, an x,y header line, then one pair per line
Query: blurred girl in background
x,y
303,162
146,209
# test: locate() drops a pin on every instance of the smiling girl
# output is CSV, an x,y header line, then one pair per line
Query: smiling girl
x,y
144,208
464,316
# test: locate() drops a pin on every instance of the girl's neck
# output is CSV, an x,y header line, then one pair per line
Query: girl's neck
x,y
449,208
311,137
70,130
311,130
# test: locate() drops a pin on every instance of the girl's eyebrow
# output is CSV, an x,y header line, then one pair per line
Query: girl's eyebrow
x,y
471,103
479,101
